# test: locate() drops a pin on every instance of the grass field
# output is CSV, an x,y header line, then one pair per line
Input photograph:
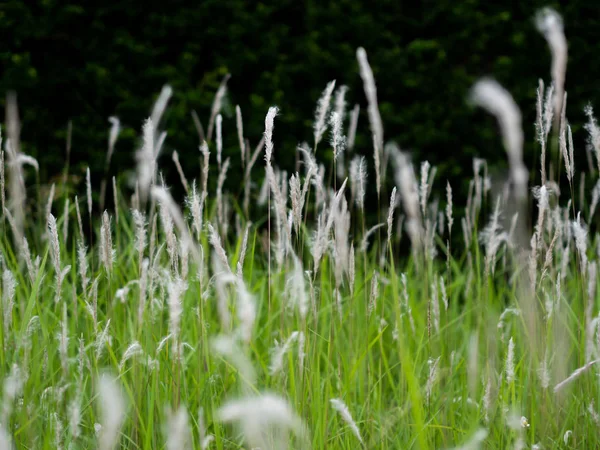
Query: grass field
x,y
156,324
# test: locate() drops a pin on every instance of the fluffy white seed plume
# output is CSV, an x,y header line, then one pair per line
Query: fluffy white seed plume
x,y
358,180
82,265
338,140
240,263
339,102
5,439
215,240
216,105
407,182
246,311
88,190
134,350
219,139
176,290
377,164
510,362
227,347
353,125
268,135
296,284
320,124
9,286
16,184
576,374
475,441
140,234
550,24
204,439
371,93
262,418
449,217
12,388
279,351
161,104
179,435
390,218
344,412
146,160
240,132
112,412
580,235
113,134
106,248
594,133
488,94
54,243
170,207
374,295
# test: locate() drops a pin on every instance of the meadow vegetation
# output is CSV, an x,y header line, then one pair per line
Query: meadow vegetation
x,y
158,324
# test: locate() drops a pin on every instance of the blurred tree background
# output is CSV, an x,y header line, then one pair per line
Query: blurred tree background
x,y
83,61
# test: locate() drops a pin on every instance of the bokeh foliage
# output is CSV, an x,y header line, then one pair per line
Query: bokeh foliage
x,y
84,61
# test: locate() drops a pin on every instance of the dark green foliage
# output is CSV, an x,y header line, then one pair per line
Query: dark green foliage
x,y
84,61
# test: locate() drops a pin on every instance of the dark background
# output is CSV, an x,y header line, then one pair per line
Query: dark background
x,y
86,60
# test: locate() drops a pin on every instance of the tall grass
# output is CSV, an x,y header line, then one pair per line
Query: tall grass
x,y
186,325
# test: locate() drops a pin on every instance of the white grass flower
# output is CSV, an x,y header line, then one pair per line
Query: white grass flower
x,y
268,135
449,217
353,125
178,430
204,438
240,263
5,439
497,101
9,286
262,418
341,407
146,160
550,24
594,133
509,369
371,93
216,105
82,265
227,347
88,190
566,436
390,218
106,248
215,241
475,441
574,375
407,183
112,412
433,376
134,350
278,352
219,139
176,290
338,140
580,235
240,132
113,134
320,124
